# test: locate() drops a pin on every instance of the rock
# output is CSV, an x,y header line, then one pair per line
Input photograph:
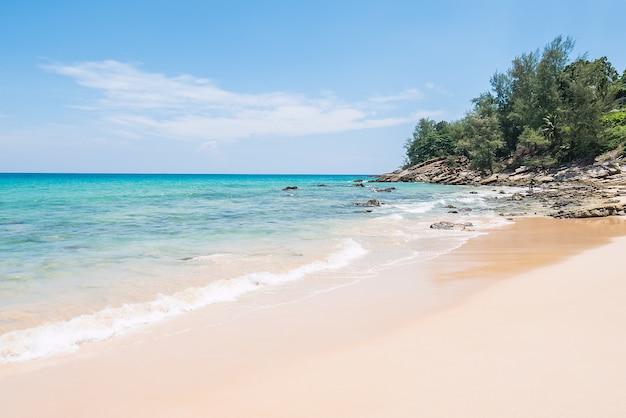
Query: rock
x,y
563,202
491,179
451,226
385,190
544,179
517,197
359,185
598,211
513,214
598,172
291,188
614,170
457,171
369,203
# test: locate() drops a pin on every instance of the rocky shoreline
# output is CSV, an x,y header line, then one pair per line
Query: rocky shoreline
x,y
568,191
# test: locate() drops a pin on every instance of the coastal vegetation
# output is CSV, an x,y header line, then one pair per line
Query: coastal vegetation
x,y
544,110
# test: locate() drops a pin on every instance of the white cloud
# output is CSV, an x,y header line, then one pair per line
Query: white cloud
x,y
406,95
139,103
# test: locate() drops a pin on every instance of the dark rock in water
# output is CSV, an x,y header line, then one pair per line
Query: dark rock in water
x,y
291,188
385,190
517,197
369,203
358,181
453,211
451,226
322,185
450,207
465,209
359,185
442,225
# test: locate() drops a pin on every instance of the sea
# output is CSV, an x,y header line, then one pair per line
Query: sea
x,y
89,257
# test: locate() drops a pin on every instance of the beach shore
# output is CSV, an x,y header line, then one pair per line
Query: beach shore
x,y
526,321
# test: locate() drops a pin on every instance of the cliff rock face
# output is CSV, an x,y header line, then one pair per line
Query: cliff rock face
x,y
567,191
440,170
447,170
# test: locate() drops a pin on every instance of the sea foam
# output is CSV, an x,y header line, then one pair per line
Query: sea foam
x,y
67,336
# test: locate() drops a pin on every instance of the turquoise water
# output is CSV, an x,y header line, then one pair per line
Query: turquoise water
x,y
85,257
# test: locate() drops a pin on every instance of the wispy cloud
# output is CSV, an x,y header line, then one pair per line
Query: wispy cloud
x,y
141,103
406,95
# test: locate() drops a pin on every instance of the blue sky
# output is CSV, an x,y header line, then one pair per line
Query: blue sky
x,y
268,86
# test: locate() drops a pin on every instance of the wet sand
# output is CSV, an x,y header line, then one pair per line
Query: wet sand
x,y
527,321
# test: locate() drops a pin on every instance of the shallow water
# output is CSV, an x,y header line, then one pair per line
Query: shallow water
x,y
85,257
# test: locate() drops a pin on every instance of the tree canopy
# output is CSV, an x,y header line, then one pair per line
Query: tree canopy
x,y
544,109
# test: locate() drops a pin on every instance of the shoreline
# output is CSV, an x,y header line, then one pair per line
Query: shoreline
x,y
321,356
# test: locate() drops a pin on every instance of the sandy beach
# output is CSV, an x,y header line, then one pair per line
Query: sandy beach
x,y
528,321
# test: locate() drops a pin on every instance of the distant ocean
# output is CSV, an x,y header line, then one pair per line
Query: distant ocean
x,y
86,257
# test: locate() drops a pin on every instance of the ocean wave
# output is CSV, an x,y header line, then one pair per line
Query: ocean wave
x,y
67,336
421,207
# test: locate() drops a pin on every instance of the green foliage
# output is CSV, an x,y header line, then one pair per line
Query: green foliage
x,y
613,119
533,140
543,110
585,87
614,133
528,91
482,139
430,140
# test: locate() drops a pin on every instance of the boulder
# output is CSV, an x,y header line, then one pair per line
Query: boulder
x,y
369,203
598,211
451,226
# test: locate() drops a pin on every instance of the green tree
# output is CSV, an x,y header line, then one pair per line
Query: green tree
x,y
619,91
614,130
587,91
533,140
415,146
543,109
529,91
430,140
482,139
554,60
